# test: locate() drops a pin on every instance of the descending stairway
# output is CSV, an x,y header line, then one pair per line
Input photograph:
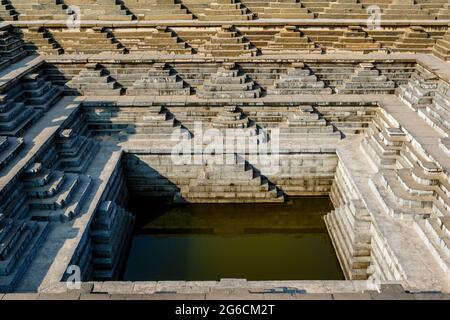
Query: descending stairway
x,y
110,232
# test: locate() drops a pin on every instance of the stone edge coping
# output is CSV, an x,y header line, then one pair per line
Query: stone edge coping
x,y
242,23
129,291
136,57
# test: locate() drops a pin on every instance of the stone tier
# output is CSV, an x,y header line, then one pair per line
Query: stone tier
x,y
158,10
87,41
7,11
298,80
225,10
285,9
229,82
442,47
344,9
229,183
20,240
15,116
366,79
32,10
356,39
11,48
9,148
229,43
161,80
415,39
106,10
38,92
406,9
161,39
40,40
290,39
419,90
110,232
95,80
307,125
437,112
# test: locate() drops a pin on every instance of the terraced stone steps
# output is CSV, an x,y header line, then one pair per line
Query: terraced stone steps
x,y
285,9
229,183
39,93
415,39
106,10
40,39
344,9
7,11
87,41
9,147
75,151
290,39
442,47
95,80
225,10
160,39
110,232
161,80
158,10
298,80
19,242
229,82
356,39
15,117
308,125
228,42
406,9
11,48
33,10
366,79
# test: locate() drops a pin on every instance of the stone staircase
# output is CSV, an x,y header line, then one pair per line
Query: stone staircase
x,y
437,112
88,41
408,183
225,10
228,83
11,48
307,125
105,10
39,39
415,39
290,40
366,80
229,183
160,39
228,42
32,10
161,80
19,242
406,9
356,39
298,80
7,11
94,80
157,123
9,147
349,228
344,9
110,232
419,90
56,185
285,9
442,47
39,92
158,10
15,116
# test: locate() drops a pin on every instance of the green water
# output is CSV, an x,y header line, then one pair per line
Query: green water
x,y
254,241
